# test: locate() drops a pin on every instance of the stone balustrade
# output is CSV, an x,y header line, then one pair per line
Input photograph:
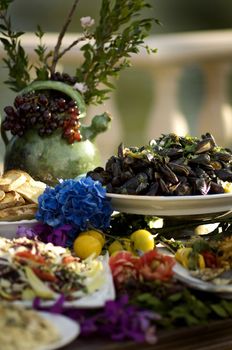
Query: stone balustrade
x,y
210,51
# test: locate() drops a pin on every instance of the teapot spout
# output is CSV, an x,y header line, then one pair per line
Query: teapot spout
x,y
100,123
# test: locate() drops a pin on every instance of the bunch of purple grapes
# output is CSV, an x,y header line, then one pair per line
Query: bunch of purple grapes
x,y
45,110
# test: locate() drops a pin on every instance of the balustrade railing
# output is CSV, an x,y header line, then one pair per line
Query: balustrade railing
x,y
211,51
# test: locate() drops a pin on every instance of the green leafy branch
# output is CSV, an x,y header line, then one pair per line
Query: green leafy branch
x,y
120,33
185,308
17,61
42,69
58,53
107,50
176,304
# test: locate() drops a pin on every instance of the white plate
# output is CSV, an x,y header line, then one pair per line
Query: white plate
x,y
67,328
99,297
94,300
183,275
8,229
187,206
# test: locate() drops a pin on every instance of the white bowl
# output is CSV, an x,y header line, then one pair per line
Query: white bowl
x,y
8,229
187,207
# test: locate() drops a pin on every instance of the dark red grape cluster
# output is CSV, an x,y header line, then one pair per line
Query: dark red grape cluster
x,y
45,110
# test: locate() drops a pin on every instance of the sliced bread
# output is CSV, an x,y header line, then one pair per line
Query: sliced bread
x,y
23,212
11,180
11,199
31,190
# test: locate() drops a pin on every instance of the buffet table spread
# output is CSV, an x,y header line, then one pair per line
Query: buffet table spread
x,y
105,271
137,253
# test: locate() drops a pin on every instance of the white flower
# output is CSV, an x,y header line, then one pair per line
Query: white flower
x,y
82,87
87,22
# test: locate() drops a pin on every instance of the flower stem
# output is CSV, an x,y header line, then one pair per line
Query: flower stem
x,y
74,43
56,55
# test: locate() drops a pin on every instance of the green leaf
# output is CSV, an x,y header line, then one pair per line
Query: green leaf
x,y
175,297
220,310
3,27
120,32
42,73
16,60
149,301
227,305
17,35
5,42
180,313
4,4
39,33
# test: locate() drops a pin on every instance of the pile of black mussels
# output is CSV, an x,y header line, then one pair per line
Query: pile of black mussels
x,y
169,166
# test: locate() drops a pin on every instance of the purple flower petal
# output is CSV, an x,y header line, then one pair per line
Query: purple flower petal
x,y
23,231
124,322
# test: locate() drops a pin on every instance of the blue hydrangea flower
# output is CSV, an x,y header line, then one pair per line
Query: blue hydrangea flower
x,y
80,203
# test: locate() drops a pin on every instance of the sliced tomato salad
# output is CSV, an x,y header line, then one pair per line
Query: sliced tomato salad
x,y
150,266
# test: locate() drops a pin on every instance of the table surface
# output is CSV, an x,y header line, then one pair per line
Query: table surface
x,y
213,336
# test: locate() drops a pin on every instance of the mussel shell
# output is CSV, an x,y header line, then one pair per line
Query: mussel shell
x,y
153,189
208,135
222,156
203,159
216,188
216,164
224,174
174,153
109,163
204,146
170,166
184,189
150,173
135,185
163,187
126,175
121,150
179,169
200,185
169,175
116,168
99,174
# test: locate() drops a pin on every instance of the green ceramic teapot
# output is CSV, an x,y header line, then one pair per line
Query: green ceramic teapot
x,y
50,158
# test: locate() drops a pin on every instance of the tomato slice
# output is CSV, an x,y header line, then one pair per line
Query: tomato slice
x,y
45,275
156,266
210,259
28,255
69,259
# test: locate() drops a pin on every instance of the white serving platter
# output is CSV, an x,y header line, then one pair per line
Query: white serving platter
x,y
67,328
8,229
95,299
180,207
184,276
